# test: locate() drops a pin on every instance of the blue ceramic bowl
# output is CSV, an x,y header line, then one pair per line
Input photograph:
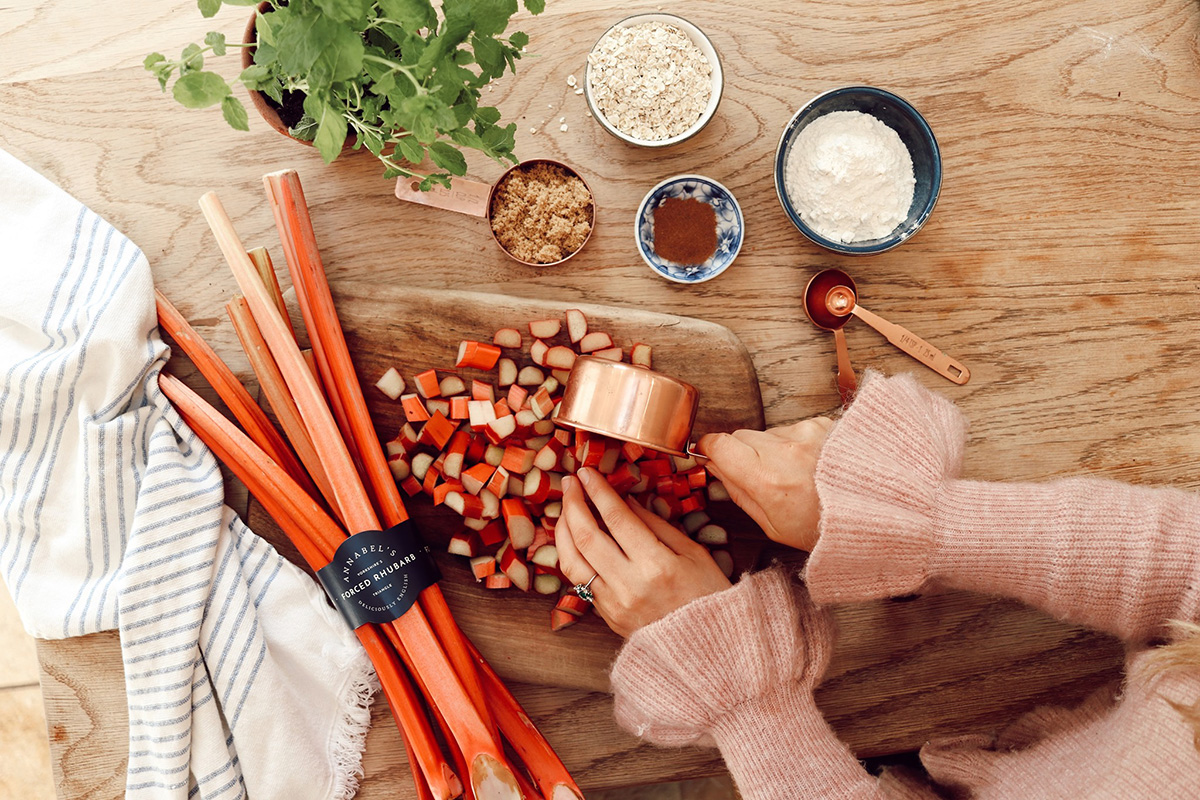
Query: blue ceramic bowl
x,y
900,116
730,227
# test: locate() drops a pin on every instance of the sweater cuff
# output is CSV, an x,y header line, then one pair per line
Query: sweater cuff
x,y
879,479
676,679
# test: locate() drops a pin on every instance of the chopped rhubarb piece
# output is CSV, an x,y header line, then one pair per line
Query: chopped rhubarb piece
x,y
427,384
500,429
697,478
590,451
624,477
561,375
492,533
476,525
556,485
480,413
545,328
526,418
498,483
491,504
483,391
399,466
518,521
477,355
683,464
640,354
391,383
611,353
576,325
456,452
561,620
694,521
403,444
516,396
483,566
476,449
514,566
541,403
564,436
466,544
537,352
452,385
438,405
518,460
599,340
724,561
548,457
541,538
507,371
632,451
468,505
655,468
681,487
498,580
516,485
420,465
458,407
507,337
546,556
544,427
609,463
572,604
537,486
432,476
475,478
712,535
530,376
664,507
717,491
414,409
693,502
560,357
501,408
411,486
493,455
437,431
550,385
547,584
536,443
569,462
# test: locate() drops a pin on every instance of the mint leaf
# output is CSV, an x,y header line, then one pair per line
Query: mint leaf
x,y
304,130
208,8
254,76
331,134
410,14
154,58
191,59
344,10
448,158
216,41
200,89
487,115
491,16
519,39
535,6
488,54
411,150
235,113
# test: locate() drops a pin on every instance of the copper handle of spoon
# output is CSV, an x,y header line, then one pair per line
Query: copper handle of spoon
x,y
915,346
847,383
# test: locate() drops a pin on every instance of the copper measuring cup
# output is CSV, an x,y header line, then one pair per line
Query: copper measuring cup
x,y
474,198
831,298
632,404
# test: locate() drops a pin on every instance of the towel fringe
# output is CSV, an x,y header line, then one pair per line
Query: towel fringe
x,y
349,736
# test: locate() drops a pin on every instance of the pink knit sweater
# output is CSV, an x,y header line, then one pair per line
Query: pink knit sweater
x,y
737,669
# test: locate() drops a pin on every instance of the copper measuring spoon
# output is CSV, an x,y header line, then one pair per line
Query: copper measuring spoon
x,y
814,307
831,298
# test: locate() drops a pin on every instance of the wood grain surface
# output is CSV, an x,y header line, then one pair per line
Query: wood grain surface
x,y
1059,266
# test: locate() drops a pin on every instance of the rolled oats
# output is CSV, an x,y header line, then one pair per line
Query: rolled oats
x,y
650,81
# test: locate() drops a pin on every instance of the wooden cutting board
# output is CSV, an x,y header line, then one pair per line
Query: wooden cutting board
x,y
414,330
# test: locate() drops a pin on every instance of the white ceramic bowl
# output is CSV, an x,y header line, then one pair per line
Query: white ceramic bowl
x,y
705,46
731,229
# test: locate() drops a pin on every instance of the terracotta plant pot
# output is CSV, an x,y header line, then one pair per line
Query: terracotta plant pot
x,y
262,104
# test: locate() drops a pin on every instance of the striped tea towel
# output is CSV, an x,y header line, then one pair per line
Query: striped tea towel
x,y
242,681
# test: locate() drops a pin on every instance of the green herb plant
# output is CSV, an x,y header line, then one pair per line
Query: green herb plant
x,y
403,77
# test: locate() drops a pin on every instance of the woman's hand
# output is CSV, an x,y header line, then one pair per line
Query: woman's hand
x,y
645,567
770,474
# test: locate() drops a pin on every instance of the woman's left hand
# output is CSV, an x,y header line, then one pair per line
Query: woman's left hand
x,y
645,567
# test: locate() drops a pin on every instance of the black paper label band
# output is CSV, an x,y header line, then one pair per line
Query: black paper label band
x,y
375,576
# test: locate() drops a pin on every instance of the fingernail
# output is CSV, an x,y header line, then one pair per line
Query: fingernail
x,y
566,482
585,476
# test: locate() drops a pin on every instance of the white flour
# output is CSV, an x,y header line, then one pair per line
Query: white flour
x,y
849,177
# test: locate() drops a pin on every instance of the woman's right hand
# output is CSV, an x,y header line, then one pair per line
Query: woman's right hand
x,y
771,476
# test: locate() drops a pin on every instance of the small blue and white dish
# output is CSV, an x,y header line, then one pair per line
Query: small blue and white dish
x,y
730,227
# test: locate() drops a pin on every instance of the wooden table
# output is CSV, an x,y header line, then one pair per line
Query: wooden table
x,y
1060,265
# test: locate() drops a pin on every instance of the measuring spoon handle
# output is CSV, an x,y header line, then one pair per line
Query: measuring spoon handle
x,y
916,347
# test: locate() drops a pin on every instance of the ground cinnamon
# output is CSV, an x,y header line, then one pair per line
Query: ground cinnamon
x,y
685,231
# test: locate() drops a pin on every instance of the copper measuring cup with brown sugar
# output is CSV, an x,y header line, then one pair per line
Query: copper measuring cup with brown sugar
x,y
476,199
831,298
630,403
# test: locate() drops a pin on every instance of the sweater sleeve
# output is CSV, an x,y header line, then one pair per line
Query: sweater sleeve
x,y
738,669
895,518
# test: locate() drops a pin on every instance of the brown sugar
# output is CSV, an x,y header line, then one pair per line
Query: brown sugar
x,y
685,231
541,213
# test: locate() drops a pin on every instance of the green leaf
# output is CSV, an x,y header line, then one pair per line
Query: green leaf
x,y
487,115
208,8
154,58
491,16
448,157
320,49
411,14
535,6
216,41
191,59
488,54
345,10
305,129
411,150
235,113
519,39
331,127
200,89
254,76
